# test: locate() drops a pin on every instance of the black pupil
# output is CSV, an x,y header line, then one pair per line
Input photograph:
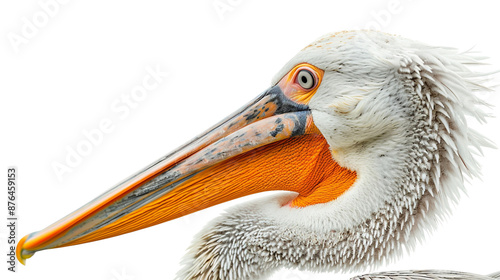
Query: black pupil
x,y
304,79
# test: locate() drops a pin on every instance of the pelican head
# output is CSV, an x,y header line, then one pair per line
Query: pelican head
x,y
366,130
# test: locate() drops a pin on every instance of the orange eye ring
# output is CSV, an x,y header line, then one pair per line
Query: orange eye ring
x,y
300,83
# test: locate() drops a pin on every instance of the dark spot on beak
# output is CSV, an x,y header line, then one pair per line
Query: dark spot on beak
x,y
252,115
278,129
245,145
221,154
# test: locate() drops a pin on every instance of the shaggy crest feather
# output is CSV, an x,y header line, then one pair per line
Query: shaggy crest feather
x,y
399,109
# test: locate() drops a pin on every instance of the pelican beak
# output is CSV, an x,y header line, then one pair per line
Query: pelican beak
x,y
269,144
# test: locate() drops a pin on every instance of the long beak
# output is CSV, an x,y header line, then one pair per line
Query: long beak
x,y
269,144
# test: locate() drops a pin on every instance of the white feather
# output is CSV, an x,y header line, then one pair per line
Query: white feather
x,y
393,110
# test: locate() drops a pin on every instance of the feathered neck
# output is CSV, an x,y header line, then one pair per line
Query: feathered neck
x,y
437,93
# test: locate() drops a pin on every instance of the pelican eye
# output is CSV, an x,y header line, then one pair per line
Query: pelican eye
x,y
305,79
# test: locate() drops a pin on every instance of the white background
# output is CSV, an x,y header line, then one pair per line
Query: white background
x,y
64,79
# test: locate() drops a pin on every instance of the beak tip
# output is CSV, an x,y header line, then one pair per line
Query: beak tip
x,y
21,252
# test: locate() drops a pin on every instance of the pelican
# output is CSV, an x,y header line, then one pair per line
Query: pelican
x,y
366,130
